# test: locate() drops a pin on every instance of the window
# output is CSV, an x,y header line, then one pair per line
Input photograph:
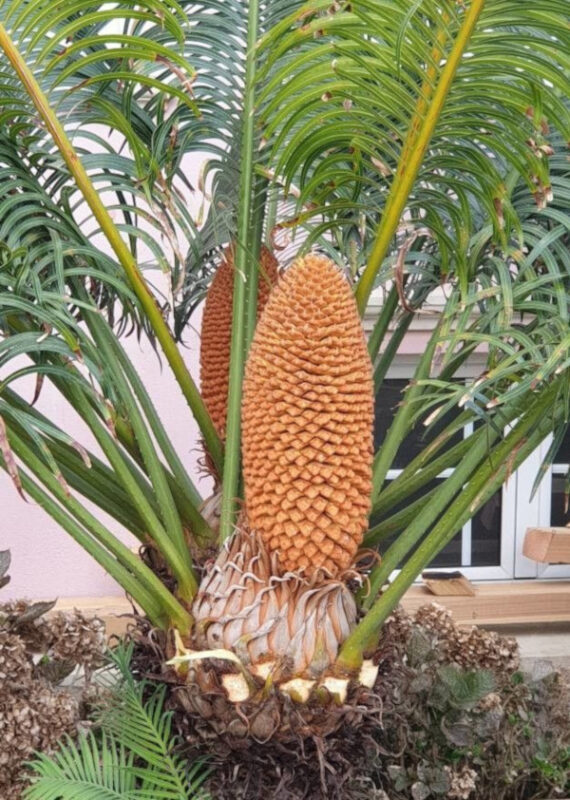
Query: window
x,y
489,547
559,515
478,544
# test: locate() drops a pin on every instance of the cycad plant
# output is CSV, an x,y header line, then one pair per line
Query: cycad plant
x,y
417,145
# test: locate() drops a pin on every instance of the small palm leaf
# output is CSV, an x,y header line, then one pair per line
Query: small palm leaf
x,y
129,756
92,769
138,720
144,728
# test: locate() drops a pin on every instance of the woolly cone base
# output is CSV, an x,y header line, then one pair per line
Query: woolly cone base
x,y
307,418
285,621
211,508
272,747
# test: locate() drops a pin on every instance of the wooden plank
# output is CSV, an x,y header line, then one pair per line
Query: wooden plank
x,y
547,545
114,611
519,602
514,603
448,583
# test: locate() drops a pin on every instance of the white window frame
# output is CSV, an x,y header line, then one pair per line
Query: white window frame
x,y
535,513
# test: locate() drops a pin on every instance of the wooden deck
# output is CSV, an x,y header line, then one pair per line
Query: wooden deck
x,y
494,604
513,603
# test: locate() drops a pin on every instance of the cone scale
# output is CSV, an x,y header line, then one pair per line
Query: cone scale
x,y
307,418
215,339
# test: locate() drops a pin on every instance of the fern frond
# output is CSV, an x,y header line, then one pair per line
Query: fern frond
x,y
94,768
130,754
138,720
145,728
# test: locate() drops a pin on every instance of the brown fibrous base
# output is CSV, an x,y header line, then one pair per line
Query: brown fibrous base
x,y
272,747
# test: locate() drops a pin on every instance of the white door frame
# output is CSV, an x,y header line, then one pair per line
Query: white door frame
x,y
535,513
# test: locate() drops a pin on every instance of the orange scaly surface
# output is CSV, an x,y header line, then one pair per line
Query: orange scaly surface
x,y
216,331
307,418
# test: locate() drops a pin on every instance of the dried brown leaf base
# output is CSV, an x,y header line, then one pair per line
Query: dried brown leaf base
x,y
36,654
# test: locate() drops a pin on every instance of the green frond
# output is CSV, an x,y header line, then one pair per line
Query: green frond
x,y
216,44
127,756
96,768
138,719
141,480
357,106
108,88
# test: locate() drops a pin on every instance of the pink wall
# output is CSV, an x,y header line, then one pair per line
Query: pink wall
x,y
46,562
